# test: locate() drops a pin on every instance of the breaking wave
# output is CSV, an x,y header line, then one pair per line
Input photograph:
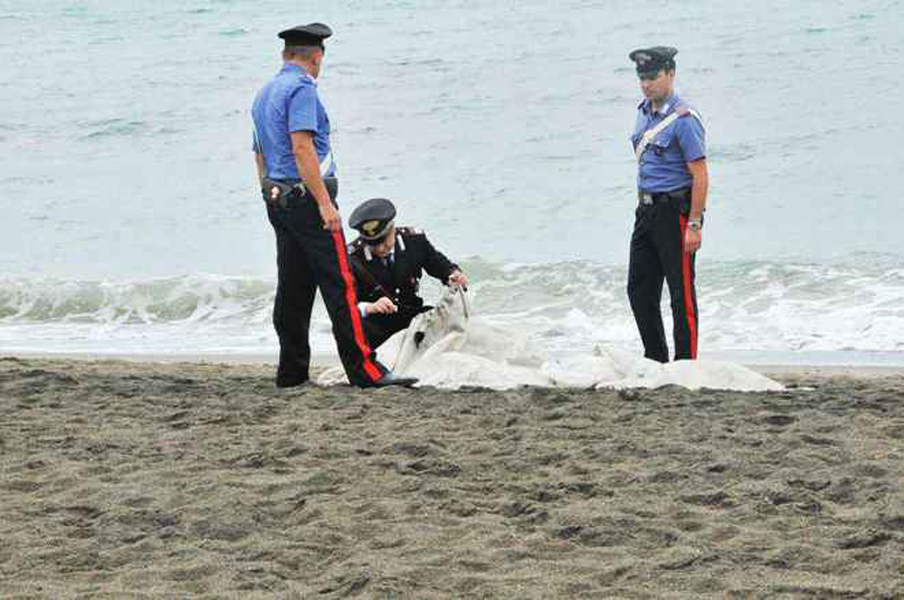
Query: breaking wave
x,y
569,306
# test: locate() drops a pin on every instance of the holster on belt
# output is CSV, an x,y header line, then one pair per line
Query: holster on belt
x,y
279,193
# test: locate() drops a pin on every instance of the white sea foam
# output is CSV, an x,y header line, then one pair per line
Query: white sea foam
x,y
562,308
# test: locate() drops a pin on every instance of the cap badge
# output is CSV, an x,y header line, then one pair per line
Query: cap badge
x,y
642,58
370,227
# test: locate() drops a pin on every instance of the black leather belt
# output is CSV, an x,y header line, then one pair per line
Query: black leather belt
x,y
281,191
650,198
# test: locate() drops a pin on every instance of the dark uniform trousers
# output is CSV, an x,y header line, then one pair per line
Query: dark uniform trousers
x,y
657,253
310,257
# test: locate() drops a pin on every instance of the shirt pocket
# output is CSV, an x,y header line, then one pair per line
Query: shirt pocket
x,y
662,142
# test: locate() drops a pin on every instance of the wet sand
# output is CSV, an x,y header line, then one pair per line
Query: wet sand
x,y
161,480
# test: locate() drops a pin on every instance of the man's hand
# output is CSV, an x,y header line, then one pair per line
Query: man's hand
x,y
692,240
383,306
332,220
458,278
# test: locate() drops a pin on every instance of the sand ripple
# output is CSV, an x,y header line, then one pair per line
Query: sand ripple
x,y
154,480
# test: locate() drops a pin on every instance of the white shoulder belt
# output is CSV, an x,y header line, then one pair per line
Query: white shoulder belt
x,y
327,163
650,134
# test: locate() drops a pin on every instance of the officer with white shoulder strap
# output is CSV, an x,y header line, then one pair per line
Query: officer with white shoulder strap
x,y
669,142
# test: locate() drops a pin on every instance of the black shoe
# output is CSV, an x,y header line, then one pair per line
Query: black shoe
x,y
291,382
391,379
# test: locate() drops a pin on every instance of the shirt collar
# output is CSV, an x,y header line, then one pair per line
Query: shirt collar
x,y
670,103
298,70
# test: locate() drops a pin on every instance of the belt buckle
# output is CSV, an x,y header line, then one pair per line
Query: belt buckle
x,y
646,199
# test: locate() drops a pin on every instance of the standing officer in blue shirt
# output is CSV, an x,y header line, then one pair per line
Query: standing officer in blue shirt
x,y
298,182
672,180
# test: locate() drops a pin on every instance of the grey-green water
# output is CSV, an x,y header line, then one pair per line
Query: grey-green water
x,y
501,128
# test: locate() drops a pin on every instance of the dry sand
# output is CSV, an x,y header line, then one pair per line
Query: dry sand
x,y
126,480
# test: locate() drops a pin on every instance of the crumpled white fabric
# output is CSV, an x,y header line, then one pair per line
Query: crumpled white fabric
x,y
448,347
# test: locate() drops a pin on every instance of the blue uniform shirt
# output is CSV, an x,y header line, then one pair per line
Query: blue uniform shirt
x,y
663,165
289,102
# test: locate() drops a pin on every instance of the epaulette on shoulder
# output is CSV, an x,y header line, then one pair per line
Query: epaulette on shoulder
x,y
355,245
684,112
410,231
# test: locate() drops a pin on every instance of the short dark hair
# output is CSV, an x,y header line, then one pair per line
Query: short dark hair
x,y
300,52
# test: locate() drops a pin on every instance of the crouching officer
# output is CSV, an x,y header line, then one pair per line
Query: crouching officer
x,y
298,181
388,263
672,180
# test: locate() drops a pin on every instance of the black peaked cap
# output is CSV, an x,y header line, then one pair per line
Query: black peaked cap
x,y
311,34
372,218
652,60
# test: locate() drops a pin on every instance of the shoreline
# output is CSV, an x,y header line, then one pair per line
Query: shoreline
x,y
324,361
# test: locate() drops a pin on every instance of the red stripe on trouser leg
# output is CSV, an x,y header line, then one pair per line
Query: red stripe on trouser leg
x,y
352,301
688,290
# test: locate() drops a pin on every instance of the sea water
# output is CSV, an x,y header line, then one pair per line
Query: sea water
x,y
131,221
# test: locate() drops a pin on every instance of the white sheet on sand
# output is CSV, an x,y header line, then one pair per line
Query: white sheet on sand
x,y
450,348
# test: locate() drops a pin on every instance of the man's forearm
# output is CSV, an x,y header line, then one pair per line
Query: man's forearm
x,y
699,190
698,198
259,163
